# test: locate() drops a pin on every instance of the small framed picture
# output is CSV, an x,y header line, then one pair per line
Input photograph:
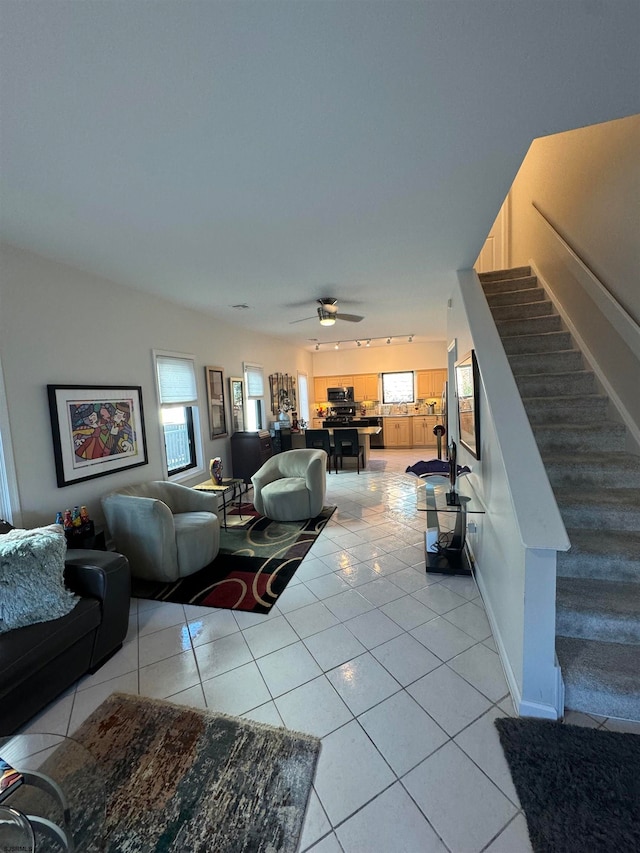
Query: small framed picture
x,y
96,430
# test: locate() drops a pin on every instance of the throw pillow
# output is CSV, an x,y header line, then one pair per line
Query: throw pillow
x,y
32,577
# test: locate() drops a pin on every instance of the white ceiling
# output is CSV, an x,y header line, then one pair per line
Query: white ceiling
x,y
271,153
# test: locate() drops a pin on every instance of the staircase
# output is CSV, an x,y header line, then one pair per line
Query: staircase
x,y
597,488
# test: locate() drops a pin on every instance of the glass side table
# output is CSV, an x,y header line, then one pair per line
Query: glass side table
x,y
446,524
60,797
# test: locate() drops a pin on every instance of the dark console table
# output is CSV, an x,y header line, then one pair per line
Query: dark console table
x,y
446,526
249,451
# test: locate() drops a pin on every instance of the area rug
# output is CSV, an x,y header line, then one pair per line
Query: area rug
x,y
179,779
257,559
579,787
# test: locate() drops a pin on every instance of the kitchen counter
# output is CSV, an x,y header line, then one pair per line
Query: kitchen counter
x,y
364,439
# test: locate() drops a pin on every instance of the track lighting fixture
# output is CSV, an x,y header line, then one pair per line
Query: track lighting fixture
x,y
358,342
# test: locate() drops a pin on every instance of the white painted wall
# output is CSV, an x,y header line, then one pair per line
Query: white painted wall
x,y
415,356
61,326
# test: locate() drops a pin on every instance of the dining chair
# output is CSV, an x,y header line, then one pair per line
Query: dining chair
x,y
347,444
320,440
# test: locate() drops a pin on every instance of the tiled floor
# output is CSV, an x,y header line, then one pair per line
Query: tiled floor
x,y
394,669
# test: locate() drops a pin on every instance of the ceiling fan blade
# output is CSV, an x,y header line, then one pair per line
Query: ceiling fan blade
x,y
350,318
301,320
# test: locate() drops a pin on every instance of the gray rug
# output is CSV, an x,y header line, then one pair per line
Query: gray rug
x,y
579,787
179,779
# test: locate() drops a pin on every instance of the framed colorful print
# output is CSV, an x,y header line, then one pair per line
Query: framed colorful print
x,y
96,430
215,395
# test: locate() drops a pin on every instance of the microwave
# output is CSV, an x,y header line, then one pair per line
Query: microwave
x,y
340,395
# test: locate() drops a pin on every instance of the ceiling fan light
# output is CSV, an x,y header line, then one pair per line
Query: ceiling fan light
x,y
326,318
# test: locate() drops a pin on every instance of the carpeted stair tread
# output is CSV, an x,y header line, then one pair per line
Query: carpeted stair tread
x,y
529,310
597,470
532,326
545,363
505,275
574,438
515,297
585,409
603,554
574,383
612,509
600,678
600,610
542,342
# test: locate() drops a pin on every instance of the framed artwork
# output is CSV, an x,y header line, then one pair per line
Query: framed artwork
x,y
215,395
96,430
236,386
468,394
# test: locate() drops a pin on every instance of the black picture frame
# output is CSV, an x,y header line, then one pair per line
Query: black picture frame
x,y
468,402
96,430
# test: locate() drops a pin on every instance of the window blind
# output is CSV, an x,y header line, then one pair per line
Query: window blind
x,y
176,381
255,380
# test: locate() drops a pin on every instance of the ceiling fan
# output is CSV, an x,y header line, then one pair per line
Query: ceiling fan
x,y
328,313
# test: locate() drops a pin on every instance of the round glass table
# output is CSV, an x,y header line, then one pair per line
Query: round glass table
x,y
52,796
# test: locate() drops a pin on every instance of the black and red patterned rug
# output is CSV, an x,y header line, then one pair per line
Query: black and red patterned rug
x,y
257,559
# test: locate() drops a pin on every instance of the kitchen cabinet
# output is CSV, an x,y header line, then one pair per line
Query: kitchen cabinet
x,y
316,423
339,381
365,387
320,389
397,432
431,383
422,428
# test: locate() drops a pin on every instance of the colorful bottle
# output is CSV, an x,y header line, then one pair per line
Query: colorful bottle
x,y
60,519
84,515
75,518
67,522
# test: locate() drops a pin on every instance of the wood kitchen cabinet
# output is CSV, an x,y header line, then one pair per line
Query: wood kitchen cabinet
x,y
397,432
365,387
339,381
422,427
320,389
431,383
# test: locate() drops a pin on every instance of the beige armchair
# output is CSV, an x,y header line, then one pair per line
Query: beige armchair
x,y
166,531
291,486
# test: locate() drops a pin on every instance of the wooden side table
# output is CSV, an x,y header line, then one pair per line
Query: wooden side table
x,y
230,485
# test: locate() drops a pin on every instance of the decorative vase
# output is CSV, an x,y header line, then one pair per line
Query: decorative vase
x,y
215,469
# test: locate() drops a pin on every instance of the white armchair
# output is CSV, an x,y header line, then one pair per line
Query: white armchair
x,y
291,486
165,530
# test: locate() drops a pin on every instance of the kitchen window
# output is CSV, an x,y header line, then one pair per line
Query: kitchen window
x,y
398,387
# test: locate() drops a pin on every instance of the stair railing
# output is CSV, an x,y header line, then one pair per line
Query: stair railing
x,y
624,324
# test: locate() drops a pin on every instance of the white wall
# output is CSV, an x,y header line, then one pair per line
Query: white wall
x,y
59,325
415,356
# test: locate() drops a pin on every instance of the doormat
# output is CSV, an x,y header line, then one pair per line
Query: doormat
x,y
256,561
178,779
579,787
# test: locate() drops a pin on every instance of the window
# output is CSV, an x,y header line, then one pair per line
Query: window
x,y
254,381
303,396
179,411
397,387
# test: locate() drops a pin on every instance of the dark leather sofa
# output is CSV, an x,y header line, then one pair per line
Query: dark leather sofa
x,y
38,662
